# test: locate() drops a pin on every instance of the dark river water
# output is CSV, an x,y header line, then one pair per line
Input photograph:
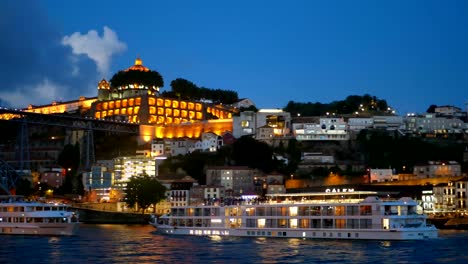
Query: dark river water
x,y
139,244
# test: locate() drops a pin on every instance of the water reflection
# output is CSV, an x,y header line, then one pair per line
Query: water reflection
x,y
386,244
139,244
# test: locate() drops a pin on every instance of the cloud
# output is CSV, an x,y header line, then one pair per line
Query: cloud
x,y
37,68
44,92
99,49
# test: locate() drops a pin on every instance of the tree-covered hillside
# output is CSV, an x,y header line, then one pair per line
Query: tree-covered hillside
x,y
351,105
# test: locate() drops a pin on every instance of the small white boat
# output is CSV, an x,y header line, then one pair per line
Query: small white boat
x,y
21,217
328,215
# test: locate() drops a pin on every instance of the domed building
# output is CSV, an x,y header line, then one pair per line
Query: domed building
x,y
133,95
136,80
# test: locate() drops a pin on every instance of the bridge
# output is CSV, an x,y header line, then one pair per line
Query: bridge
x,y
69,121
8,176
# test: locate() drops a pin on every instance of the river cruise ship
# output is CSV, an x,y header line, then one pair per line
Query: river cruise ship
x,y
21,217
342,214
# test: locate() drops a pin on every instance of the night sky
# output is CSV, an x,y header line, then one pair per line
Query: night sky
x,y
411,53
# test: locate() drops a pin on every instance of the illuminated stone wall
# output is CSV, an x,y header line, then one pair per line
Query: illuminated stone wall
x,y
194,130
149,109
58,107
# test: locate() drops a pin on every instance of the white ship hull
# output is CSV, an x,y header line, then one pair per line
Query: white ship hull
x,y
397,234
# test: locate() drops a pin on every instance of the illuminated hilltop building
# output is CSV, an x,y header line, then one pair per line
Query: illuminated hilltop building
x,y
132,95
128,99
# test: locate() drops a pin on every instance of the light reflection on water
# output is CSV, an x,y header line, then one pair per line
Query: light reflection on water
x,y
139,244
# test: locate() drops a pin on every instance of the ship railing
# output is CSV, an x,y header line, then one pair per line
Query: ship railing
x,y
328,201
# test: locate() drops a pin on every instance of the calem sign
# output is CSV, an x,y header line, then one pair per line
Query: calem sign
x,y
338,190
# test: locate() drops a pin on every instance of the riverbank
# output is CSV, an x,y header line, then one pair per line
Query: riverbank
x,y
449,221
89,216
108,213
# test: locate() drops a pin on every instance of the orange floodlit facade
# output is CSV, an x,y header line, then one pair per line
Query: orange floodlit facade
x,y
193,130
81,104
9,116
149,109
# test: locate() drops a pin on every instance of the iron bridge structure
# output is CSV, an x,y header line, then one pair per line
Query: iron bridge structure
x,y
8,175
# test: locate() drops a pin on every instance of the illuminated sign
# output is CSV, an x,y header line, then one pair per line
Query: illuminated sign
x,y
338,190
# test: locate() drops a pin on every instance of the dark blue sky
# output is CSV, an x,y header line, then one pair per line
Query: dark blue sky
x,y
411,53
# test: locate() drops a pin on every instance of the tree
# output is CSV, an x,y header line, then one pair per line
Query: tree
x,y
69,159
252,153
350,105
187,90
150,78
144,191
431,109
24,187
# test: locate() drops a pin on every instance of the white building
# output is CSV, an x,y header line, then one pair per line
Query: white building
x,y
317,157
243,103
248,122
358,123
447,110
126,167
157,148
382,175
432,124
209,142
100,179
451,196
238,180
175,147
388,122
434,169
325,129
206,193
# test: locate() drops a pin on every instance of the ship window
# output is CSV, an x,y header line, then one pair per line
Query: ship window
x,y
293,223
365,210
365,223
327,223
340,223
339,210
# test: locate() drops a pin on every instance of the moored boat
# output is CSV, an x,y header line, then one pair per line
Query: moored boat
x,y
19,216
330,215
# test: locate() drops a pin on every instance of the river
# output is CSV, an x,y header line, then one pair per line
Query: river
x,y
140,244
